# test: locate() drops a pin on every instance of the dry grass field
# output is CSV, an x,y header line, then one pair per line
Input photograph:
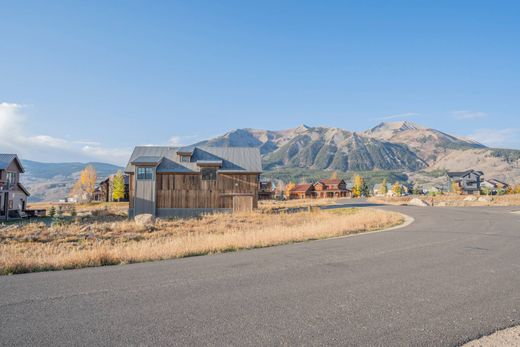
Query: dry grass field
x,y
453,200
107,238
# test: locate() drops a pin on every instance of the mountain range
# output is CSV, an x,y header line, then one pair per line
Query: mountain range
x,y
403,149
407,147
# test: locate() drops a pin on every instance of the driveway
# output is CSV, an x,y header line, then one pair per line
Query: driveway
x,y
451,276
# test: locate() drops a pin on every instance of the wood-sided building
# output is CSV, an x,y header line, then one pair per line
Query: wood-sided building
x,y
13,195
331,188
181,182
302,191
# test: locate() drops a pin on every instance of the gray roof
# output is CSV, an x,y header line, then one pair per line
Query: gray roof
x,y
464,173
147,159
234,159
6,159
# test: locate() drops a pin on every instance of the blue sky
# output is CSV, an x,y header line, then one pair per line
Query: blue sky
x,y
88,80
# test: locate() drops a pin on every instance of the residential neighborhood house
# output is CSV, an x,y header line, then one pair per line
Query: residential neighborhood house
x,y
494,186
176,182
331,188
13,195
467,181
266,191
302,191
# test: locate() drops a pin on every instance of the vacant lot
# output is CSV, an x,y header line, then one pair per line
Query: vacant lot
x,y
106,238
454,200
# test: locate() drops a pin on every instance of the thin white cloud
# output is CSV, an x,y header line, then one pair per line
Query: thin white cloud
x,y
16,138
182,140
507,137
464,114
399,116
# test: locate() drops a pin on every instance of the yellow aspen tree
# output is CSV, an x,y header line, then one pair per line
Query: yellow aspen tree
x,y
88,179
288,188
118,192
455,188
397,189
359,186
383,189
334,175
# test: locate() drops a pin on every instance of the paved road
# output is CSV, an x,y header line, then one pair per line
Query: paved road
x,y
451,276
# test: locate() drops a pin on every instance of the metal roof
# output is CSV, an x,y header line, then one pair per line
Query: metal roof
x,y
147,159
23,189
6,160
301,188
464,173
234,159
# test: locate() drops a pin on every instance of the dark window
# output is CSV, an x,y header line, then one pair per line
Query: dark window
x,y
185,158
144,173
11,179
208,174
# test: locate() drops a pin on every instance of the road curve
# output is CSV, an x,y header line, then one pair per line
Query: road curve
x,y
451,276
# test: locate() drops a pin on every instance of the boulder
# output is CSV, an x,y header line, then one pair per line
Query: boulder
x,y
145,220
417,202
485,199
470,198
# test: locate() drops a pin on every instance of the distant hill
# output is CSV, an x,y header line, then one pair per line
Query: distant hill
x,y
53,181
396,147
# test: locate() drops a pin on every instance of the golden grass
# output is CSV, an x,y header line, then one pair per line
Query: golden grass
x,y
110,240
452,200
113,207
268,206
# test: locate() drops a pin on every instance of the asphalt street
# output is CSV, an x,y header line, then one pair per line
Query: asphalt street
x,y
451,276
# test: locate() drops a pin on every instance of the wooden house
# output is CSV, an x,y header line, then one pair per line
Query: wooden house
x,y
177,182
13,195
468,181
266,191
302,191
331,188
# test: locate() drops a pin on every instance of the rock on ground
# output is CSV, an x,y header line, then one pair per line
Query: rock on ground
x,y
417,202
470,198
485,199
146,220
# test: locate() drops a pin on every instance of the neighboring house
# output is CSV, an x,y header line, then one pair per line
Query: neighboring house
x,y
331,188
13,195
266,191
177,182
106,189
468,181
494,185
302,191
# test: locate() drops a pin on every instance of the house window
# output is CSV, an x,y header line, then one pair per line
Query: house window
x,y
11,179
208,174
185,158
144,173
